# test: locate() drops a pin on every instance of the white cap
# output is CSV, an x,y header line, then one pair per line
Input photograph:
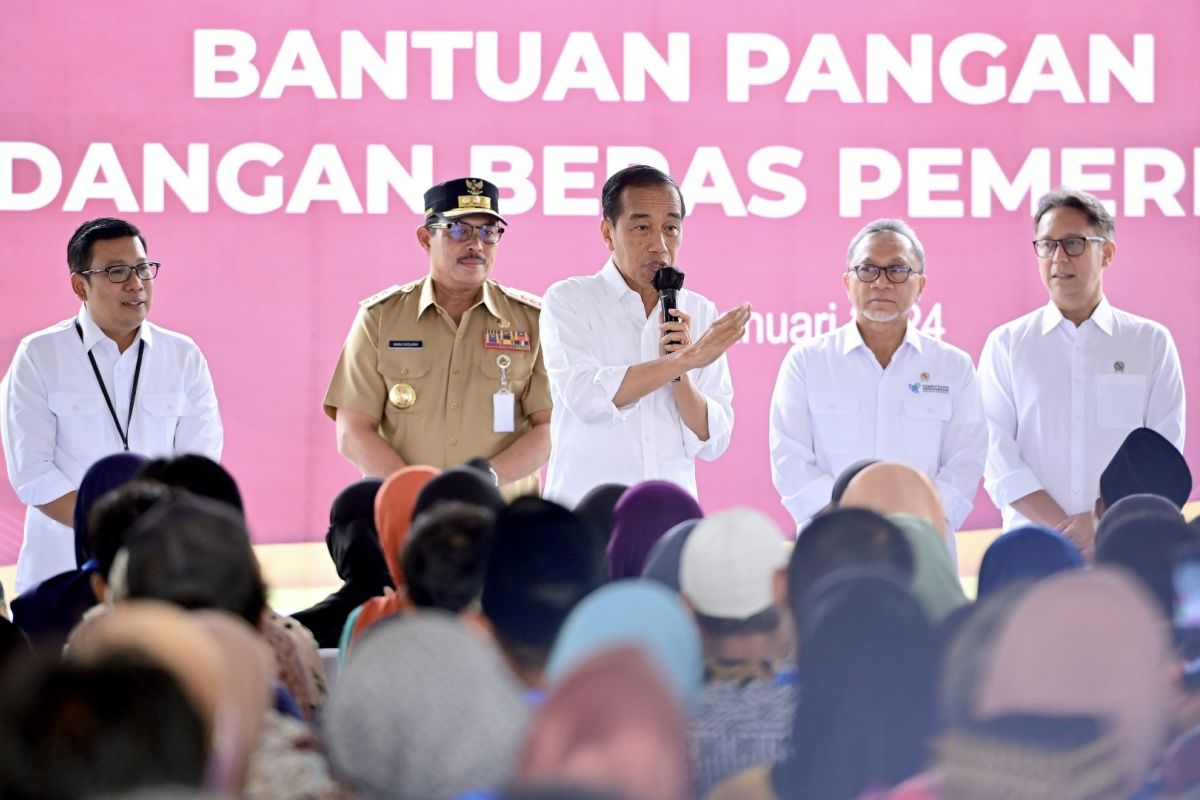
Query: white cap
x,y
728,563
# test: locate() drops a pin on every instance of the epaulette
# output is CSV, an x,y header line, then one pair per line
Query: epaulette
x,y
528,298
379,297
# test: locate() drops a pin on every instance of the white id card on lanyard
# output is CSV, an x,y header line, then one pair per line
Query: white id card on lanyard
x,y
503,407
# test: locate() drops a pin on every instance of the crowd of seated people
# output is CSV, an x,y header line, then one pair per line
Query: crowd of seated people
x,y
634,648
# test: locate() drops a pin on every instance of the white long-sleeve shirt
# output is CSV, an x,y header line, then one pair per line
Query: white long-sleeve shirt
x,y
55,424
1060,399
593,329
834,405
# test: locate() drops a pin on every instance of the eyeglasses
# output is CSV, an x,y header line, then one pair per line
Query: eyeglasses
x,y
869,273
463,231
119,273
1072,245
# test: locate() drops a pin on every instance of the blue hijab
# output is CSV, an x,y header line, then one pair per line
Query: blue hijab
x,y
110,472
1030,551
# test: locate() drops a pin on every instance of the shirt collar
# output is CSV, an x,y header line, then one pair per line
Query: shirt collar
x,y
853,337
92,335
1052,317
491,298
611,277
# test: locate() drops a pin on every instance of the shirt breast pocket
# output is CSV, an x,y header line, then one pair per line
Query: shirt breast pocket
x,y
1120,401
81,418
411,371
519,370
925,417
834,421
161,412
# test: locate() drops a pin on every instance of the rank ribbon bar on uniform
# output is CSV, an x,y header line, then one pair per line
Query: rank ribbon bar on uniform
x,y
507,340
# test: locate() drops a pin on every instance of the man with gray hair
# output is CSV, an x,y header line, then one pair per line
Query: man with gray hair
x,y
1065,384
877,388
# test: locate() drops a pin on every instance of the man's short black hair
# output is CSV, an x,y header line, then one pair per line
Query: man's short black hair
x,y
1087,204
79,248
90,730
444,558
637,175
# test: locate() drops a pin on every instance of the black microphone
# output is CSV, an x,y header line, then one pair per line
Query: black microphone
x,y
667,280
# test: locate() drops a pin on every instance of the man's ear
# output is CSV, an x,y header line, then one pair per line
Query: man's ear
x,y
608,233
423,237
1110,252
779,588
98,586
79,285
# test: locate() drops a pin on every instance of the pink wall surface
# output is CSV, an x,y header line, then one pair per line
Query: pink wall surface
x,y
269,286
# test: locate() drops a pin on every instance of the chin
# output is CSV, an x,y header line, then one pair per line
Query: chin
x,y
880,316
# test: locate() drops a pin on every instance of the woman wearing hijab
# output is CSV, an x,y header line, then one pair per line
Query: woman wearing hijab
x,y
394,504
610,724
426,709
638,612
1027,552
645,512
353,545
56,605
935,581
597,508
865,711
1065,695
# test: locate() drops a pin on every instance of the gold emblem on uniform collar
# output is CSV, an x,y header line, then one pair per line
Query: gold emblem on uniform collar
x,y
402,395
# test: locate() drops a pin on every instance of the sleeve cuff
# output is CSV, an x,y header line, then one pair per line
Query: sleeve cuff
x,y
1013,486
46,487
609,380
954,504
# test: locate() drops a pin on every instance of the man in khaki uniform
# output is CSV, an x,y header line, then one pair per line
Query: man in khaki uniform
x,y
448,367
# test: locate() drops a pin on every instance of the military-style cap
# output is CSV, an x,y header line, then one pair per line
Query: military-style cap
x,y
463,196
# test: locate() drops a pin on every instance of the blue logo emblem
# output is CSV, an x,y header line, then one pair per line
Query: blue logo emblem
x,y
915,388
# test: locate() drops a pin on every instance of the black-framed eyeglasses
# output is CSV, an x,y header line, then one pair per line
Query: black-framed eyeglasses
x,y
489,233
119,273
869,273
1072,245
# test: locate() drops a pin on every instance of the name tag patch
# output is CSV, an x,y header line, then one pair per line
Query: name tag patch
x,y
405,344
507,340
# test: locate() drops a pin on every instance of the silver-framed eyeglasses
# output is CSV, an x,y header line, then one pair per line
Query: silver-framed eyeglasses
x,y
1072,245
869,273
119,273
459,231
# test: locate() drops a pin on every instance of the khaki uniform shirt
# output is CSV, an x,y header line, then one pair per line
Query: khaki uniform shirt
x,y
402,338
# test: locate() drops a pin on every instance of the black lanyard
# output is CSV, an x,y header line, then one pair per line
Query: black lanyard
x,y
137,374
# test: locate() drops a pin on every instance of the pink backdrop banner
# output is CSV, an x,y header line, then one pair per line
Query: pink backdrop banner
x,y
275,153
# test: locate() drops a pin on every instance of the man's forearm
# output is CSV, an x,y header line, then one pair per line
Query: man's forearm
x,y
693,408
366,449
524,456
61,510
642,379
1040,507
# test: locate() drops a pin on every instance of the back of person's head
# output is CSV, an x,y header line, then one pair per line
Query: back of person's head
x,y
846,537
597,505
198,474
642,516
444,557
463,484
196,553
867,672
1030,551
662,564
1084,643
890,488
844,478
424,708
611,723
542,561
115,513
1135,506
1147,546
102,477
1146,463
728,572
84,730
79,247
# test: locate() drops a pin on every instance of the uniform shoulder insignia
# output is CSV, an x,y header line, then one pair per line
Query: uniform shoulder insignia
x,y
379,297
528,298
